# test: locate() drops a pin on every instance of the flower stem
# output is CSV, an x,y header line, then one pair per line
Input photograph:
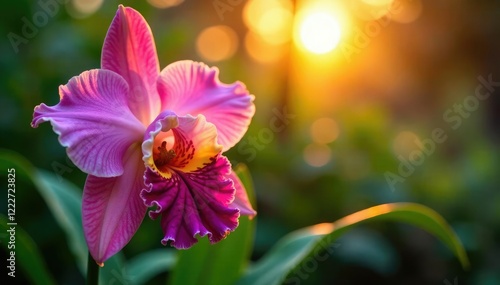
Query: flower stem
x,y
92,271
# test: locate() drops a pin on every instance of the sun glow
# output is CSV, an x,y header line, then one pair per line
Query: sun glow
x,y
319,32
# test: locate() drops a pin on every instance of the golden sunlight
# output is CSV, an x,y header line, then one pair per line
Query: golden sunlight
x,y
270,20
321,229
261,50
319,32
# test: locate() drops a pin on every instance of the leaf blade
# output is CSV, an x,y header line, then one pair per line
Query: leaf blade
x,y
300,245
148,264
64,201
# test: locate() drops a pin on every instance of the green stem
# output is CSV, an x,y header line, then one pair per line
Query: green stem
x,y
92,271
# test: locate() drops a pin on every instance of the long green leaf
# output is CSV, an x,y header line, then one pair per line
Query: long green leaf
x,y
290,254
147,265
26,254
64,201
221,263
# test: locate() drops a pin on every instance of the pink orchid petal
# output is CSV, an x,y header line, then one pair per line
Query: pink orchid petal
x,y
130,51
93,121
241,201
191,192
193,88
112,208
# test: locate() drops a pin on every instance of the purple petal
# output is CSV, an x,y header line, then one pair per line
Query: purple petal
x,y
130,51
189,188
193,88
112,208
193,204
241,201
93,121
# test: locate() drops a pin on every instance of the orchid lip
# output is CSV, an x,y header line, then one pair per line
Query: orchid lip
x,y
154,147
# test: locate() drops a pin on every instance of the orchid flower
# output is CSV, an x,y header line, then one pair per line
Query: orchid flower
x,y
151,139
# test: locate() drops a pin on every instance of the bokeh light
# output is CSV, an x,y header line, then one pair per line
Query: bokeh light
x,y
260,50
163,4
324,130
276,26
319,32
378,2
405,143
217,43
271,20
317,155
83,8
369,10
407,11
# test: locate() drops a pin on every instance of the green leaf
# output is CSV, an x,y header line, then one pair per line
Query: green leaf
x,y
368,248
221,263
27,257
244,174
63,199
147,265
315,242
